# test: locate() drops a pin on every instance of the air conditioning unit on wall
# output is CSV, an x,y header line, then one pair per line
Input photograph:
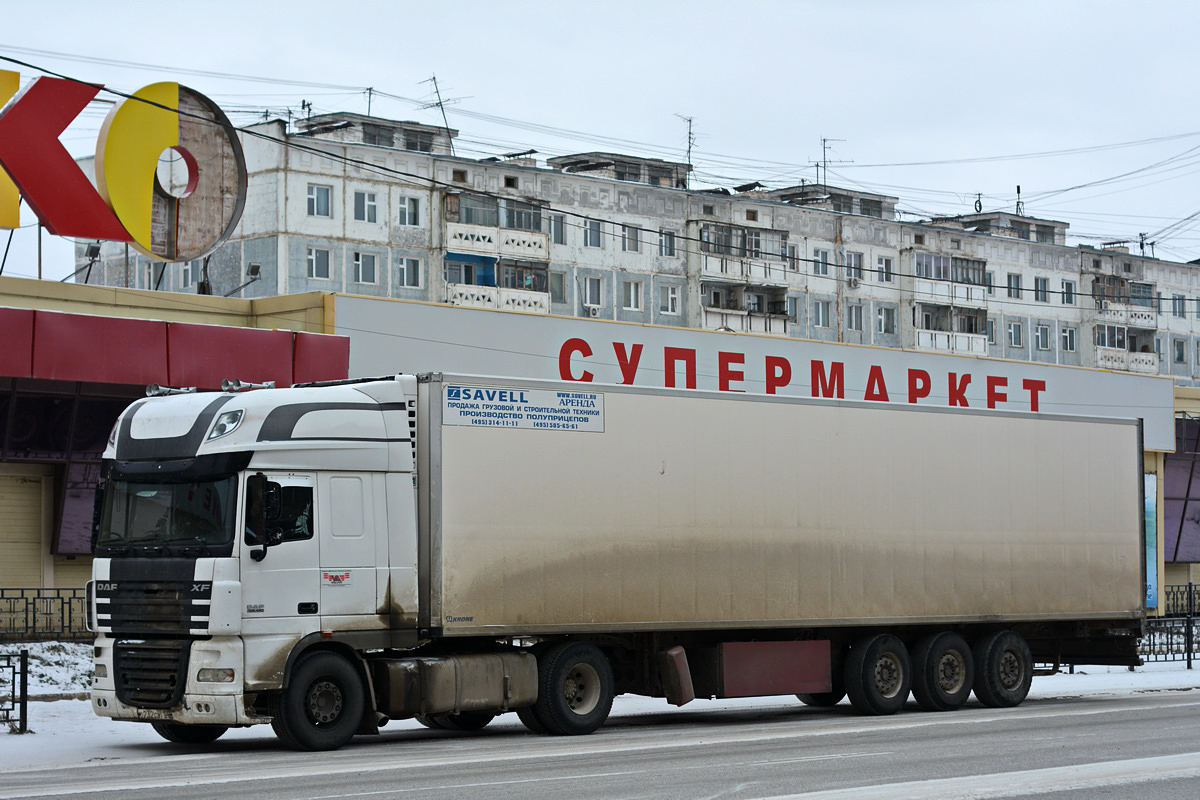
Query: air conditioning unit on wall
x,y
591,311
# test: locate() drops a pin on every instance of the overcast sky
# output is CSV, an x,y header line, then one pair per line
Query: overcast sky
x,y
1048,95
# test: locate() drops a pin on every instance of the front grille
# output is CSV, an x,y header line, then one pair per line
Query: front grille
x,y
151,674
154,597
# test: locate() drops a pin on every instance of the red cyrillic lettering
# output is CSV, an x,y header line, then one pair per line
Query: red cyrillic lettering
x,y
832,385
876,388
958,388
779,373
628,361
672,356
994,384
1033,386
725,373
919,384
569,348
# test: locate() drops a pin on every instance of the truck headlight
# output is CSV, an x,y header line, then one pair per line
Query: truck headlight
x,y
226,424
215,675
102,670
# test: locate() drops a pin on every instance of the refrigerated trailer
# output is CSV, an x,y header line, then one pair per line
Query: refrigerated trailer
x,y
325,558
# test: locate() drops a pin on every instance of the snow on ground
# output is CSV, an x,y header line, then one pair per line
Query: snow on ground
x,y
66,732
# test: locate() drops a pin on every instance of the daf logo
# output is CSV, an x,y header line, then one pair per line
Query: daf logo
x,y
106,587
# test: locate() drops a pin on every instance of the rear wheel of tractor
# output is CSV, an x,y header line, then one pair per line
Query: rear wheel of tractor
x,y
575,689
943,672
188,734
322,706
529,718
1003,669
463,720
878,675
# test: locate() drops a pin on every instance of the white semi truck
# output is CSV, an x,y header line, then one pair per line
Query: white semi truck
x,y
325,558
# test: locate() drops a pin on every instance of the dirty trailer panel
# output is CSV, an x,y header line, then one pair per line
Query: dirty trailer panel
x,y
705,511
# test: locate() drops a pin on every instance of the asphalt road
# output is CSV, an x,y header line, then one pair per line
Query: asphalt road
x,y
1144,745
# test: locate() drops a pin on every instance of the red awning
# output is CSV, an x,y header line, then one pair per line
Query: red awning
x,y
77,347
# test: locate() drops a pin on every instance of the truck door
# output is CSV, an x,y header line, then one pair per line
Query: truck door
x,y
346,524
285,582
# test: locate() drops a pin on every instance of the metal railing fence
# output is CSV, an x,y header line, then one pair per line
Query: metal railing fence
x,y
34,615
14,690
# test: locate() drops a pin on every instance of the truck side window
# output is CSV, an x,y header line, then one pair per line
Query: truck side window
x,y
291,521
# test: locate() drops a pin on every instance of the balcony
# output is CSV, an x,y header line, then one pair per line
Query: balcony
x,y
744,270
950,342
947,293
715,319
465,294
500,242
1116,358
1131,316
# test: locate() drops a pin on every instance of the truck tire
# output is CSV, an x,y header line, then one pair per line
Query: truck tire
x,y
462,721
1003,669
943,672
878,675
575,689
188,734
831,698
322,706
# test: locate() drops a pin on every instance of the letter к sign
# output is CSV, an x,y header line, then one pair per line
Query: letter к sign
x,y
185,220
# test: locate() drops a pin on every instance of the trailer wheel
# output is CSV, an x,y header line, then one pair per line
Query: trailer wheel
x,y
828,699
575,689
878,675
462,721
943,672
188,734
1003,669
322,705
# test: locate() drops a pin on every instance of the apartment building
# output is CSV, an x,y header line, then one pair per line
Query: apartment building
x,y
362,205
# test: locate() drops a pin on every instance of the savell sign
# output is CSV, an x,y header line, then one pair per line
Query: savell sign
x,y
184,218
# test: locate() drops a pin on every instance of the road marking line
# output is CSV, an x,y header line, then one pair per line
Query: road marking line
x,y
478,785
1021,783
821,758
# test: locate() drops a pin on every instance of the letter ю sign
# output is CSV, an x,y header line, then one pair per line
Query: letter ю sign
x,y
128,202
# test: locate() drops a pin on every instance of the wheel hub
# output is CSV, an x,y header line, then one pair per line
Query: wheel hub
x,y
324,702
888,674
951,673
581,689
1010,670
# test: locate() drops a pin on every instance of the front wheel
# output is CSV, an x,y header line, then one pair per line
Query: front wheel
x,y
188,734
575,689
322,705
878,675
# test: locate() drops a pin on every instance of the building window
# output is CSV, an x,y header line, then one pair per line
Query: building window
x,y
1041,290
883,268
627,172
1014,285
871,208
320,200
408,272
421,141
751,215
1179,305
668,299
479,210
885,320
1110,336
1128,266
558,228
591,291
820,262
1014,334
1045,234
918,238
558,287
821,314
510,182
318,263
793,308
364,268
631,295
458,175
707,210
629,238
189,274
410,211
854,267
521,216
1141,294
1068,340
666,243
989,280
854,318
792,256
591,233
377,134
1068,293
1178,346
364,207
1041,337
991,331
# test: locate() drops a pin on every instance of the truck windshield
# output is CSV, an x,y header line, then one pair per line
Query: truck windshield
x,y
186,519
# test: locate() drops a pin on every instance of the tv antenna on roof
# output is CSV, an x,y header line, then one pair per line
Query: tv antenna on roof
x,y
440,105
